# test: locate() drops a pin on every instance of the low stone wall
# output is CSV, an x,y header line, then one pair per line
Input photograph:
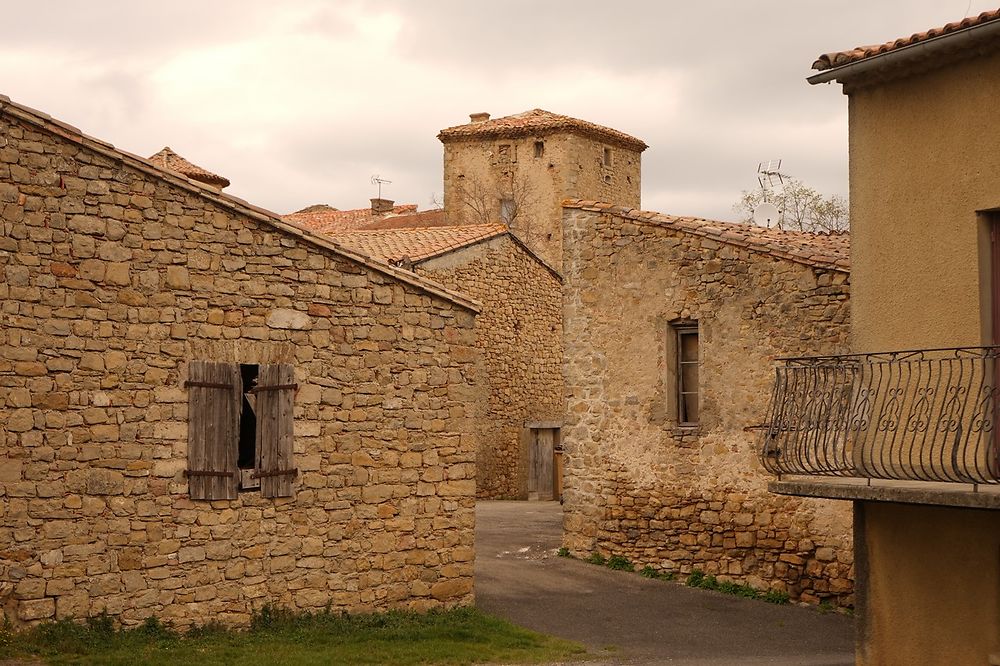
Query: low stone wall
x,y
113,279
639,483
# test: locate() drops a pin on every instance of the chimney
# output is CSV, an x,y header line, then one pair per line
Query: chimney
x,y
382,206
480,117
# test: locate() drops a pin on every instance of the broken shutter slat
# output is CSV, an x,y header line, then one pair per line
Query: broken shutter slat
x,y
213,429
275,387
275,405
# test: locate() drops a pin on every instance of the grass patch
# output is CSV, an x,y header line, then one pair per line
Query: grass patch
x,y
276,636
598,559
564,552
708,582
649,572
619,563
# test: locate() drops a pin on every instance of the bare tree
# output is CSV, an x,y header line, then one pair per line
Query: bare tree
x,y
509,200
802,208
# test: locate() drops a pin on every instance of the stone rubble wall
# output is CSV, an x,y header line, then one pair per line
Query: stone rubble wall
x,y
636,484
111,281
571,167
519,332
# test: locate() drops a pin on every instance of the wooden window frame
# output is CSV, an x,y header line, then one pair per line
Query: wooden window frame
x,y
680,331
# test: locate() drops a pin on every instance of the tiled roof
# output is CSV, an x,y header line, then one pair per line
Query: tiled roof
x,y
329,220
72,134
837,59
425,218
538,122
830,251
168,159
416,244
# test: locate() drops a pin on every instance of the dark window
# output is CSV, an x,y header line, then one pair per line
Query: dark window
x,y
687,374
248,421
539,148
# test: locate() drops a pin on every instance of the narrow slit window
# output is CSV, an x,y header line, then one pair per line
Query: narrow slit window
x,y
687,375
607,157
539,148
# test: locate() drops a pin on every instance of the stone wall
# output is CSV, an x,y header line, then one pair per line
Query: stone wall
x,y
680,499
519,332
570,166
112,279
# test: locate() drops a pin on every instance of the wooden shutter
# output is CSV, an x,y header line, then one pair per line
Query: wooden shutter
x,y
214,400
275,393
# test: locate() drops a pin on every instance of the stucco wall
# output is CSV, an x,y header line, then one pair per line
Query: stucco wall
x,y
571,167
933,593
637,485
923,161
519,332
111,281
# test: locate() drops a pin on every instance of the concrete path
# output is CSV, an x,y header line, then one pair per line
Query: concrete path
x,y
628,619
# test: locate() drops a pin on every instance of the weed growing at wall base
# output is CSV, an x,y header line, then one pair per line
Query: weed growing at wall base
x,y
276,636
708,582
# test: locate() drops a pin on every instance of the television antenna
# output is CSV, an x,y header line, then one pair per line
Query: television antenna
x,y
772,182
379,181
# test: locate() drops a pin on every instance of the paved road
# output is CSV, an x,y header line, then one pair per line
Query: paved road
x,y
630,619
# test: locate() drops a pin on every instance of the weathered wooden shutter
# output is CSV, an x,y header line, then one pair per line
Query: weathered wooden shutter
x,y
214,399
275,393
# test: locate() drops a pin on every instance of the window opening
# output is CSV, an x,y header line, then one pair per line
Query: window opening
x,y
539,148
247,457
687,375
607,157
508,210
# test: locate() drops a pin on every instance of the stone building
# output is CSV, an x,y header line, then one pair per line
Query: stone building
x,y
518,169
671,328
519,331
204,408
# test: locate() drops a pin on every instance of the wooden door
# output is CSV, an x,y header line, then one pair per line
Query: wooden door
x,y
541,472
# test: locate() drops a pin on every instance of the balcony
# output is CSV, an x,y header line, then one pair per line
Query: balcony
x,y
916,425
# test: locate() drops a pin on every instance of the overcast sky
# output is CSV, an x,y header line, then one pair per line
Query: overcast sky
x,y
302,102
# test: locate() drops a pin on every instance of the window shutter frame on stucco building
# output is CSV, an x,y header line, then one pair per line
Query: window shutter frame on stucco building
x,y
214,396
275,393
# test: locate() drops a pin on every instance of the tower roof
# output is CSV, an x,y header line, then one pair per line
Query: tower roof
x,y
537,122
168,159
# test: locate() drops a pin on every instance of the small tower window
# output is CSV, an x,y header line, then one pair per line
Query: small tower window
x,y
539,148
607,157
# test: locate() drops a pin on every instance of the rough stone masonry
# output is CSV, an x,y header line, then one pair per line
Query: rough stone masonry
x,y
641,483
114,277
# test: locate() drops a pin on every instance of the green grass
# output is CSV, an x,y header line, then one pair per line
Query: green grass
x,y
700,580
460,636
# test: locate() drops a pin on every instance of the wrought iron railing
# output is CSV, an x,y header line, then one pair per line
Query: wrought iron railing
x,y
922,415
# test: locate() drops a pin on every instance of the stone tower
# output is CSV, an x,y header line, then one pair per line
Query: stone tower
x,y
518,170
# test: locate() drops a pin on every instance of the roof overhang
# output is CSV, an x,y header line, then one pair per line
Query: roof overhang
x,y
925,54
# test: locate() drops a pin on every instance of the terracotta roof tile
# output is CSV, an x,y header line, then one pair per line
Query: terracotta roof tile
x,y
538,122
168,159
329,220
839,58
418,243
830,251
424,218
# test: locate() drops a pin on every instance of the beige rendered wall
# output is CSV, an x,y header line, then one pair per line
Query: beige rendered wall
x,y
111,281
933,593
923,161
678,499
519,332
570,167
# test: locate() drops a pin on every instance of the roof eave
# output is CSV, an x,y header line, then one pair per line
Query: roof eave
x,y
950,42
